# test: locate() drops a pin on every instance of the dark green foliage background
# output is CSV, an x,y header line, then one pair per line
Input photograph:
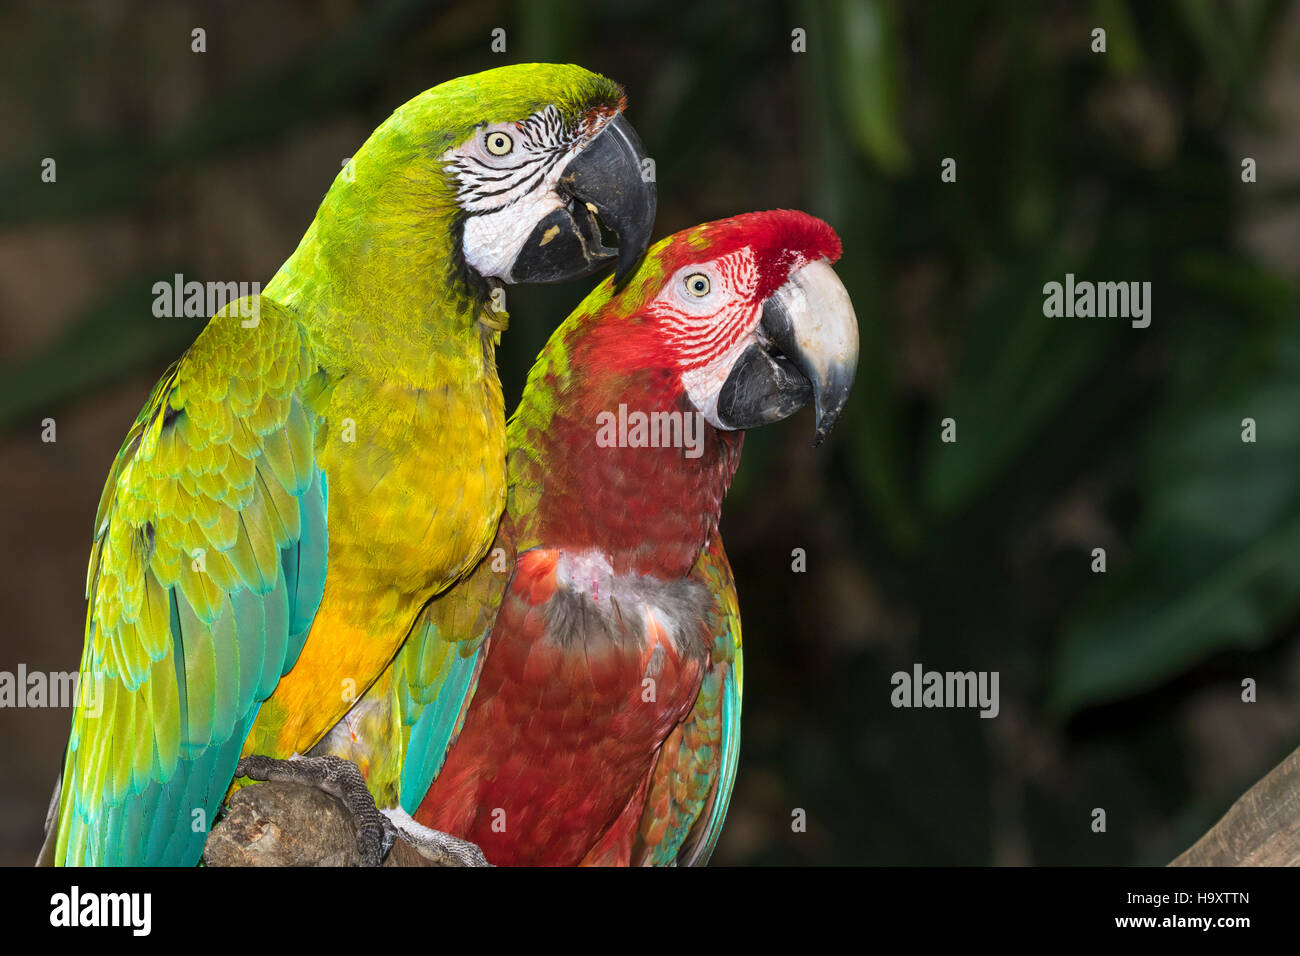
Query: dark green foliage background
x,y
1119,691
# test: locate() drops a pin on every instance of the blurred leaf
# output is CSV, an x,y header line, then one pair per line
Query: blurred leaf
x,y
117,336
1213,35
866,34
101,176
857,205
869,427
1233,37
1017,368
551,30
1123,49
1213,565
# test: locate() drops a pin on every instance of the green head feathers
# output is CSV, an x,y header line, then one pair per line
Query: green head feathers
x,y
495,176
446,115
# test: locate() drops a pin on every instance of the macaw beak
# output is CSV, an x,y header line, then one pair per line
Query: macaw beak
x,y
807,350
607,179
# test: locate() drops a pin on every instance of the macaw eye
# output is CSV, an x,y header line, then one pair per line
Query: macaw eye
x,y
498,144
697,284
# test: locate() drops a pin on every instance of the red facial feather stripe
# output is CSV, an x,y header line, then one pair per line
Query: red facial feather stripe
x,y
778,239
754,255
698,339
757,251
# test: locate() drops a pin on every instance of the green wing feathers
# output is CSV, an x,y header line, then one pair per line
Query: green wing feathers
x,y
437,669
691,783
207,567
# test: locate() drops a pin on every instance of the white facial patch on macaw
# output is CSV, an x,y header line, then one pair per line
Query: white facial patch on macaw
x,y
506,175
710,324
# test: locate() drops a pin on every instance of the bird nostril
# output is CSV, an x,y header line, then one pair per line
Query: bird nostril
x,y
767,345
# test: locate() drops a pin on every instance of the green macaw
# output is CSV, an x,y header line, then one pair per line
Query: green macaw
x,y
603,726
330,455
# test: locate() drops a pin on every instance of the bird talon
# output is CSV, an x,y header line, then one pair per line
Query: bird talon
x,y
441,848
341,779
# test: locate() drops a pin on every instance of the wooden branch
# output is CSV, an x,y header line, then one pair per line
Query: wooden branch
x,y
1261,829
292,824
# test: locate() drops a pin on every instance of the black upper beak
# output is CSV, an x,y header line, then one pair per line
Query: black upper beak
x,y
608,179
807,351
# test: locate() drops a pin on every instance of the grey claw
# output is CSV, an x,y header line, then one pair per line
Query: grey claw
x,y
339,778
442,848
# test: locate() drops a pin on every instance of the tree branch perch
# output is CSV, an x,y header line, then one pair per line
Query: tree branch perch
x,y
292,824
1261,829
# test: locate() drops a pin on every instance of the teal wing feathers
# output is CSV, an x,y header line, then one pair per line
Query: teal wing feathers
x,y
207,568
691,783
437,669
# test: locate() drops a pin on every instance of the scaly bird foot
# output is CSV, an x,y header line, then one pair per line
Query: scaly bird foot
x,y
442,848
339,778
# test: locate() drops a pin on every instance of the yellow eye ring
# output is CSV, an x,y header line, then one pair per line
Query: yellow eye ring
x,y
697,284
498,143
